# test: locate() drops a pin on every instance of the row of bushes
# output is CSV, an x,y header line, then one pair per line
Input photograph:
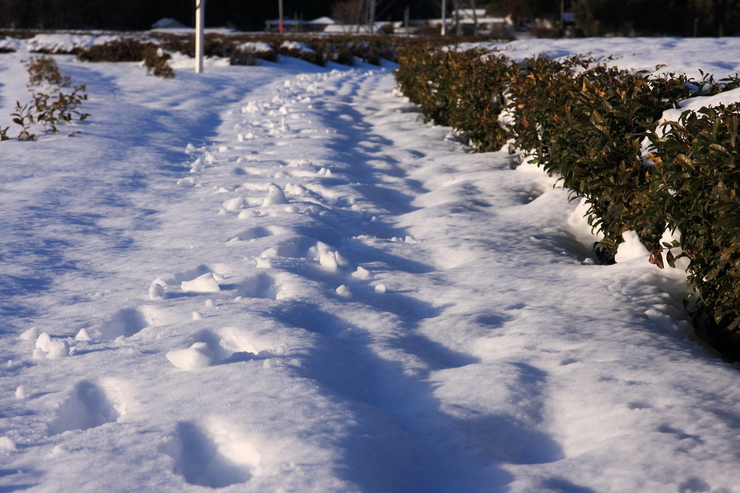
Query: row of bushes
x,y
342,49
599,129
241,50
319,50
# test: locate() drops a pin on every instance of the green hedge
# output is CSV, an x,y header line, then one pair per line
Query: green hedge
x,y
586,122
461,89
592,124
696,184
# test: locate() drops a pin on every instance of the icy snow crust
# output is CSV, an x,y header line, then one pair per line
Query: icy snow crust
x,y
277,278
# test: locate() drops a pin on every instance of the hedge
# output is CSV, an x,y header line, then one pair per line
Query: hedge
x,y
587,123
696,186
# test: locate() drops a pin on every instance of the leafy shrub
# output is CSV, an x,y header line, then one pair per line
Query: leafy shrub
x,y
45,70
697,181
131,50
586,123
155,61
536,91
47,108
310,55
462,89
592,138
412,74
243,57
118,50
246,55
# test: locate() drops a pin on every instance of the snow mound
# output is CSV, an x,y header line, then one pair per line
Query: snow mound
x,y
255,47
303,48
199,355
203,284
275,196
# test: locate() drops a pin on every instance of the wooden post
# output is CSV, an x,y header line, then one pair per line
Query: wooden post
x,y
199,22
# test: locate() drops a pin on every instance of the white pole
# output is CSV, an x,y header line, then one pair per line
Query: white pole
x,y
199,21
444,21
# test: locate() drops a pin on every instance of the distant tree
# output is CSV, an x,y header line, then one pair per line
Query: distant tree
x,y
349,11
524,10
715,17
666,17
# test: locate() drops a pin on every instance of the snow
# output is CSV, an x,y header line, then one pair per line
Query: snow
x,y
199,355
255,46
347,300
65,42
303,48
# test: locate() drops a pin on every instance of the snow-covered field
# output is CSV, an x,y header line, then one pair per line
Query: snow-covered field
x,y
279,279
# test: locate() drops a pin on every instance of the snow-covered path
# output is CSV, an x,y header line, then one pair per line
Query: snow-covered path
x,y
294,284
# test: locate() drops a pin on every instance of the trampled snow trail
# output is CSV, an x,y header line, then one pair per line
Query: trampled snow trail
x,y
323,293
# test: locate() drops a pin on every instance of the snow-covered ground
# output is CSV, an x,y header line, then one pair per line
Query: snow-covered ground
x,y
279,279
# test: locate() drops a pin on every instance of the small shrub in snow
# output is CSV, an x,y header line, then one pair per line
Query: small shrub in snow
x,y
44,70
131,50
24,118
155,61
51,107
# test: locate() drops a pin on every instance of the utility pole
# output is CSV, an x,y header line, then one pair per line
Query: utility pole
x,y
562,17
281,24
444,21
458,26
200,6
360,16
372,16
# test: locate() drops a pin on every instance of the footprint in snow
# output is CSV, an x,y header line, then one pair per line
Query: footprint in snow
x,y
126,322
87,406
212,456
